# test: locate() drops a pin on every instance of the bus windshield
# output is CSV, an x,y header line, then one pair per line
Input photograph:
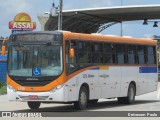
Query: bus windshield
x,y
35,60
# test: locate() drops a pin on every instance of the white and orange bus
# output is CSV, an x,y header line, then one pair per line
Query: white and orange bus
x,y
66,67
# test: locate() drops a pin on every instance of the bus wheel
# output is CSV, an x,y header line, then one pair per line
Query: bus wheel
x,y
130,96
34,105
81,104
93,101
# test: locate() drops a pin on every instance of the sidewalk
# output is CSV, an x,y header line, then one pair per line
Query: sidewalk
x,y
3,98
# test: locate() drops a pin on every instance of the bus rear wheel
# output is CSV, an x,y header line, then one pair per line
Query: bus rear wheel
x,y
34,105
81,104
130,99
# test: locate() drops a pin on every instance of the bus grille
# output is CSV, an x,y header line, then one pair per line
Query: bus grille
x,y
32,83
39,81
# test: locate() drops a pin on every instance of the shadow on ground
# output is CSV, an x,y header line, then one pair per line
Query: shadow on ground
x,y
90,107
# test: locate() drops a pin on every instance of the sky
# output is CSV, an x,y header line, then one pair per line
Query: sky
x,y
10,8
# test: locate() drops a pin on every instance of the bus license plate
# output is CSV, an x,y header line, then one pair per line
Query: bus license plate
x,y
33,97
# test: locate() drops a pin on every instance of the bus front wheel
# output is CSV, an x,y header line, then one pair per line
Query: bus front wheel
x,y
34,105
81,104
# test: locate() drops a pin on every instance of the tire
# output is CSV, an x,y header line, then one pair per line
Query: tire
x,y
130,99
81,104
93,101
34,105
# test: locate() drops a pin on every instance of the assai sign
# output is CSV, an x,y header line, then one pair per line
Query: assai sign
x,y
22,22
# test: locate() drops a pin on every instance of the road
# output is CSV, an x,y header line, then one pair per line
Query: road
x,y
146,102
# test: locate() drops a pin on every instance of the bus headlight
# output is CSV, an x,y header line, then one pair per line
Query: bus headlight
x,y
56,88
11,88
59,87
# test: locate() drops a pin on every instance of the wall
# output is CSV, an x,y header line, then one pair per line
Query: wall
x,y
3,68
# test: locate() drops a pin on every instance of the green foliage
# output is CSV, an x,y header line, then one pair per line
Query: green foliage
x,y
3,88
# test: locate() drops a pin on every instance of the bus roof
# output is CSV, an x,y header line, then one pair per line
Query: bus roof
x,y
97,37
116,39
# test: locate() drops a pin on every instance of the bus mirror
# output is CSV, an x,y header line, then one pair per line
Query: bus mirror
x,y
71,52
3,50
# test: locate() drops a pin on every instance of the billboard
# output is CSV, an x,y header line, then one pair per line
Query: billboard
x,y
22,22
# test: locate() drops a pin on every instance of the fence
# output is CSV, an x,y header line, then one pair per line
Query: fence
x,y
3,68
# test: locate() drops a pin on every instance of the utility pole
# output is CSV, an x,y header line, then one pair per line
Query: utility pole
x,y
60,15
121,21
57,11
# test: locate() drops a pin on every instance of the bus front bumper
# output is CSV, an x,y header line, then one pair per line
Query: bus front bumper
x,y
49,96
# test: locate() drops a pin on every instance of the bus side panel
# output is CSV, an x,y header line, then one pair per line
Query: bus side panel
x,y
147,80
116,79
128,74
113,82
71,89
152,82
142,82
73,85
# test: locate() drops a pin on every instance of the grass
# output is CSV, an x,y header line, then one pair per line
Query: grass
x,y
3,88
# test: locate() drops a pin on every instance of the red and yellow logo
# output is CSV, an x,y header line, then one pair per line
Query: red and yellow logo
x,y
22,21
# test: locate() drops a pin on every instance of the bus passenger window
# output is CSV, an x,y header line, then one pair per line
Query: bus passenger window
x,y
97,56
151,59
120,53
131,54
141,54
107,53
84,54
71,63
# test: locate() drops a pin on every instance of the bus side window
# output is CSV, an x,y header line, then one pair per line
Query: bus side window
x,y
131,54
114,54
120,53
151,59
141,54
71,63
107,53
84,54
97,53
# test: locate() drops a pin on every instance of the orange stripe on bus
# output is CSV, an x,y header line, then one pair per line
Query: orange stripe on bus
x,y
117,39
47,87
82,70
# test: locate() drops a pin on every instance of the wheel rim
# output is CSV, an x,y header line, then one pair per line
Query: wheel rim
x,y
83,98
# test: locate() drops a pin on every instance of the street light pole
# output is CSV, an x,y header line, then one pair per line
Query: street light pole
x,y
121,21
60,15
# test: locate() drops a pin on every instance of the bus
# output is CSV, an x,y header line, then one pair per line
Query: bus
x,y
67,67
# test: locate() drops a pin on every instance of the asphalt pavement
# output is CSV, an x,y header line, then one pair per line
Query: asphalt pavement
x,y
146,102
